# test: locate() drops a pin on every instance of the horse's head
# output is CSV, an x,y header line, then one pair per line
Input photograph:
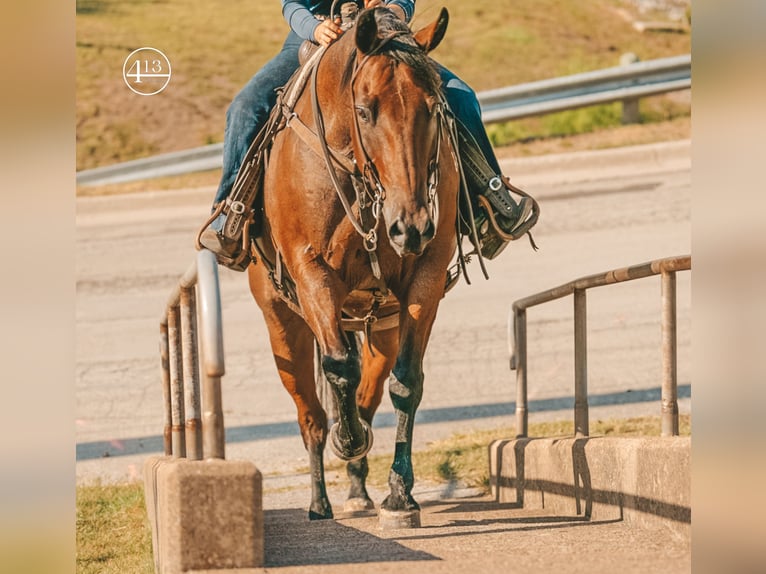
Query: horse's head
x,y
396,140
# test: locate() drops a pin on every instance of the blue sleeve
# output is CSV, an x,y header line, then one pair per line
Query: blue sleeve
x,y
407,5
299,18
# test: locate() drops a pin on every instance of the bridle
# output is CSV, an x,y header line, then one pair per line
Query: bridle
x,y
370,192
363,174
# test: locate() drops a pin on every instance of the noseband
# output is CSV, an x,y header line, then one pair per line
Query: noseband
x,y
370,193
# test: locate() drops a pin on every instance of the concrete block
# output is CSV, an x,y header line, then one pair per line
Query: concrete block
x,y
645,482
205,515
151,466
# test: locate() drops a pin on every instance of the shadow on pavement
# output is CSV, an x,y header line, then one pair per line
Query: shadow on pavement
x,y
474,516
292,540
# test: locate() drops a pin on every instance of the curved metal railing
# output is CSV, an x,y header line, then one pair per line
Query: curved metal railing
x,y
517,339
193,425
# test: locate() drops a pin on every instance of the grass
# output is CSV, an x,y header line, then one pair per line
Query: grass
x,y
585,120
215,46
114,537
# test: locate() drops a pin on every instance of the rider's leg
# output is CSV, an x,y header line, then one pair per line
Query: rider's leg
x,y
245,117
485,179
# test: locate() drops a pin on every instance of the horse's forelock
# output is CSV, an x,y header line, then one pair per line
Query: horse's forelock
x,y
402,49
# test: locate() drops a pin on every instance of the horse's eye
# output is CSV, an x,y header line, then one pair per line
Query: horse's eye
x,y
364,113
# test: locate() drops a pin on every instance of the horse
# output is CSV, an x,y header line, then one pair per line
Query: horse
x,y
378,109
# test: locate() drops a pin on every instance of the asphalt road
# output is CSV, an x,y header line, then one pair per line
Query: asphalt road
x,y
600,210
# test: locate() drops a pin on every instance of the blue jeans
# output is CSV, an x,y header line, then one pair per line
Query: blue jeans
x,y
464,104
250,109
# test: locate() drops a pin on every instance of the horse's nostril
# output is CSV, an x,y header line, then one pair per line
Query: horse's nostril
x,y
397,229
429,230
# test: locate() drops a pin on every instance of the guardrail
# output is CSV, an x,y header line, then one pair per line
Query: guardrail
x,y
621,83
193,428
517,339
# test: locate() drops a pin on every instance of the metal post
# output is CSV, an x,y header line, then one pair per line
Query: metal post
x,y
166,410
630,111
581,363
211,330
520,357
669,356
191,374
176,384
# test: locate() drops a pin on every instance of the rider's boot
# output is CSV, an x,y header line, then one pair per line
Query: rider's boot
x,y
227,232
228,251
498,216
213,239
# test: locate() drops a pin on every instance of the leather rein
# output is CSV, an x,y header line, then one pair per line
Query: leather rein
x,y
370,193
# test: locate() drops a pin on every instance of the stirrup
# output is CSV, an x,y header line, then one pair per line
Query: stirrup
x,y
524,215
239,257
495,206
492,192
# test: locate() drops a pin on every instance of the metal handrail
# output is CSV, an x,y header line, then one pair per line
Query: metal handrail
x,y
517,339
620,83
193,428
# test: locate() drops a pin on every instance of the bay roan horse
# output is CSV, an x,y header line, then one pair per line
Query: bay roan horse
x,y
380,102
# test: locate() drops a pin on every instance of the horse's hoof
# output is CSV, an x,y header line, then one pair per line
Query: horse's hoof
x,y
395,519
320,516
358,504
341,450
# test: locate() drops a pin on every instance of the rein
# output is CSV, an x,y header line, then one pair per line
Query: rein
x,y
370,192
366,182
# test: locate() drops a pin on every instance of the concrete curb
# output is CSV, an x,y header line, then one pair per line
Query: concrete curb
x,y
645,482
204,514
599,164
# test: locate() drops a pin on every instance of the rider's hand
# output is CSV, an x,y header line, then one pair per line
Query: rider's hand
x,y
327,32
372,3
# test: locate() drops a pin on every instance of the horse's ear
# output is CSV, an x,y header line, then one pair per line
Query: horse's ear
x,y
366,32
430,36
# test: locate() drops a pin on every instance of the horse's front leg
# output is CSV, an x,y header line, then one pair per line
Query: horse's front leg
x,y
405,386
376,366
292,343
321,295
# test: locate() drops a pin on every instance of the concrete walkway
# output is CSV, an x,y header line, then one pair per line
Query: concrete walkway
x,y
463,533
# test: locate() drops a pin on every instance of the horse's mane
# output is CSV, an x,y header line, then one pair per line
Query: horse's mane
x,y
402,49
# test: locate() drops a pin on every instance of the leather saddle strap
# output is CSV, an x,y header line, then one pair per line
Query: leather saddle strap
x,y
248,180
390,321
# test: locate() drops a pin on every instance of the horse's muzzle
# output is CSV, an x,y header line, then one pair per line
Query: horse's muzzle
x,y
411,234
